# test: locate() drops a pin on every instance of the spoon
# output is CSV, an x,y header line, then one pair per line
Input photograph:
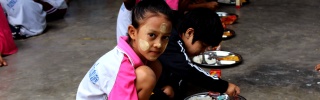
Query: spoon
x,y
203,59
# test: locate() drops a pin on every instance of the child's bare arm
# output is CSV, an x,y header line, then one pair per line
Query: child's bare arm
x,y
185,5
233,90
210,5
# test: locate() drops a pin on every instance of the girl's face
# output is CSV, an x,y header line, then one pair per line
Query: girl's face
x,y
151,38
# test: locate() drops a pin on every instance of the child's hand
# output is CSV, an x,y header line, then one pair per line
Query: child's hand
x,y
2,62
212,5
168,91
233,90
317,68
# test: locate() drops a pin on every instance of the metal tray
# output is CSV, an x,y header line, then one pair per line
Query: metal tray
x,y
228,34
206,96
225,14
217,59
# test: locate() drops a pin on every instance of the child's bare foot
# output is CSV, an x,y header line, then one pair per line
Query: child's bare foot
x,y
2,62
317,68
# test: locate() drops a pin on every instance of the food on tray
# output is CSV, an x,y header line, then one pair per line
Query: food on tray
x,y
217,59
201,97
230,58
209,96
224,26
198,59
230,19
227,34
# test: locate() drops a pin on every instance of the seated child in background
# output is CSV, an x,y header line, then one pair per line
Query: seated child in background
x,y
122,73
124,15
7,45
26,17
198,29
56,9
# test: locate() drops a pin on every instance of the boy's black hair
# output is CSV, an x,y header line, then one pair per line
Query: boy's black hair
x,y
206,24
152,6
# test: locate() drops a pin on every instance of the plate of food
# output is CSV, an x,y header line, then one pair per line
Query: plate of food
x,y
227,18
228,33
211,96
217,59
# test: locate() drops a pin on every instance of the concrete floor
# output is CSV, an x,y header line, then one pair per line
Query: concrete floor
x,y
278,40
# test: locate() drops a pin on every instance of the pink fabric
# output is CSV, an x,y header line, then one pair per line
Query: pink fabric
x,y
7,45
173,4
137,1
124,46
124,87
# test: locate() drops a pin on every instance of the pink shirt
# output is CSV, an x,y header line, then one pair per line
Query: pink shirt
x,y
173,4
113,76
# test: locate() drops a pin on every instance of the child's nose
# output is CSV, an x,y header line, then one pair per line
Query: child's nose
x,y
157,45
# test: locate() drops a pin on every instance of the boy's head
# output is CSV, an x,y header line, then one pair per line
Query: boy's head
x,y
199,29
150,29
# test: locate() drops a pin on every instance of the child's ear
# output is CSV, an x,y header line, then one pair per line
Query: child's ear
x,y
132,32
189,33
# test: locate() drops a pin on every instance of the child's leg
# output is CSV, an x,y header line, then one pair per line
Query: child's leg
x,y
2,61
145,82
52,12
157,69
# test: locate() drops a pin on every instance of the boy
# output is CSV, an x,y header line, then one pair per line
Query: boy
x,y
199,29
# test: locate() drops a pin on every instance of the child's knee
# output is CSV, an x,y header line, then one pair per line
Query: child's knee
x,y
145,75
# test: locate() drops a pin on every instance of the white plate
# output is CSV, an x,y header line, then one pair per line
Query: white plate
x,y
211,57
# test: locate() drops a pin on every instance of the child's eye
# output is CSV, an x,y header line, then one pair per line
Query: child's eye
x,y
166,37
152,35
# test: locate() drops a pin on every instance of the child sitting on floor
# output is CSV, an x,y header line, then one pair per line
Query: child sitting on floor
x,y
199,29
122,73
7,45
26,17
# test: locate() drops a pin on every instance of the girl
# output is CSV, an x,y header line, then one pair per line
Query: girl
x,y
7,46
124,15
122,73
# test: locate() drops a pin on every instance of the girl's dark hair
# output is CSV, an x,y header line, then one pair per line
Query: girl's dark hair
x,y
153,6
206,24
